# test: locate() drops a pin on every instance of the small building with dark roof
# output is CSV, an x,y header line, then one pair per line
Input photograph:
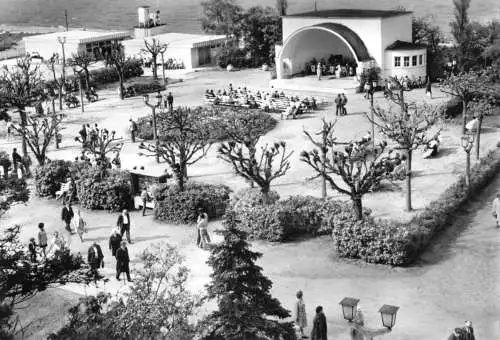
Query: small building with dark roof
x,y
350,39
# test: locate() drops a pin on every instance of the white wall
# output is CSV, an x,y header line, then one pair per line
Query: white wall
x,y
396,28
411,71
368,29
46,48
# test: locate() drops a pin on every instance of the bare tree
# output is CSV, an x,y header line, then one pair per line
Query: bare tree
x,y
22,86
154,48
116,59
183,140
58,81
100,146
353,171
408,130
39,132
84,60
247,164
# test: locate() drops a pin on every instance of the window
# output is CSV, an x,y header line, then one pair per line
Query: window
x,y
397,61
406,61
414,60
420,59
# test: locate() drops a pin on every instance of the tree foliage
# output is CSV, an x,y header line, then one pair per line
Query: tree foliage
x,y
425,32
245,307
352,171
100,148
183,140
282,7
13,190
84,60
221,17
116,58
462,32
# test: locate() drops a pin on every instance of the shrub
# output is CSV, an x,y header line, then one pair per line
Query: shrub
x,y
279,221
182,207
368,75
453,108
48,177
143,86
109,192
235,56
399,244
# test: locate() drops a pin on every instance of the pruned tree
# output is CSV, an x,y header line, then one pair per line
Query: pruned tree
x,y
353,171
252,167
154,48
116,58
480,109
21,87
461,30
466,86
39,133
58,81
84,60
408,129
101,146
183,140
245,307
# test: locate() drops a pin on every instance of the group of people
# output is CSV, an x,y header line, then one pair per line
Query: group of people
x,y
269,101
340,103
463,333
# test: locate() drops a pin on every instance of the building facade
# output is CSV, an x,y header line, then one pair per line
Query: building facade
x,y
364,38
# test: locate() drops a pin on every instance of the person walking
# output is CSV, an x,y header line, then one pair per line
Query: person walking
x,y
300,314
203,237
79,224
114,241
496,209
67,215
57,246
343,104
338,105
468,331
428,88
32,250
318,71
42,239
83,134
122,261
145,199
17,161
132,127
95,259
123,223
319,331
170,101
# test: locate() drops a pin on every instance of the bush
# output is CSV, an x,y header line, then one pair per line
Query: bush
x,y
182,207
399,244
453,108
48,177
109,192
279,221
144,86
368,75
235,56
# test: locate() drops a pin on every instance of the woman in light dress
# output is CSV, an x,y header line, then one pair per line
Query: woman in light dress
x,y
79,224
57,246
203,238
300,313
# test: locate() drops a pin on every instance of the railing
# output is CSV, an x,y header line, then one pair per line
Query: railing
x,y
12,53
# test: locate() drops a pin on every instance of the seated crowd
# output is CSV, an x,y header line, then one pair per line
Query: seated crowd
x,y
269,101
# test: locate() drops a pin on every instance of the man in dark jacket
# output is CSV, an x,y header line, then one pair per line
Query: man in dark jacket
x,y
114,241
319,331
17,160
170,101
123,223
67,215
122,261
95,258
83,134
468,331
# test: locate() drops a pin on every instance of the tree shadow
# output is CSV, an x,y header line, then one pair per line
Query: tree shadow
x,y
149,238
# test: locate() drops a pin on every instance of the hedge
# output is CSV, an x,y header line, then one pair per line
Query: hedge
x,y
182,207
399,244
143,86
282,220
111,192
48,177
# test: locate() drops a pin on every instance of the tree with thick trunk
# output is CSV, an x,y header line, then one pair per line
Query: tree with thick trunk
x,y
83,60
353,171
58,81
116,59
154,48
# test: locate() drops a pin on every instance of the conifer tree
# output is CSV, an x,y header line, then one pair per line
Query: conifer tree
x,y
246,310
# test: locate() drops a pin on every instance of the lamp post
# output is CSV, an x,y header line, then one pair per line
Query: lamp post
x,y
62,41
387,312
80,85
153,109
467,144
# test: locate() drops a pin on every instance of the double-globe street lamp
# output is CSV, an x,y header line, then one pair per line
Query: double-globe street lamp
x,y
153,109
387,313
467,144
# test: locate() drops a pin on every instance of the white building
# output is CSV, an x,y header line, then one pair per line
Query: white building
x,y
97,42
365,37
191,50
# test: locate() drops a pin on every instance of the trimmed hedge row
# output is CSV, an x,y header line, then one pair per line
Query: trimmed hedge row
x,y
183,207
143,86
282,220
399,244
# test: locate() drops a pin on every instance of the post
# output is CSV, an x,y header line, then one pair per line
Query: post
x,y
53,105
57,130
81,91
323,168
163,69
373,124
155,136
467,170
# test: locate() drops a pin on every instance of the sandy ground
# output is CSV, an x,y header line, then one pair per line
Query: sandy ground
x,y
431,178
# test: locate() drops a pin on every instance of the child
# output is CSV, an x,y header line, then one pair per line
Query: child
x,y
32,249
